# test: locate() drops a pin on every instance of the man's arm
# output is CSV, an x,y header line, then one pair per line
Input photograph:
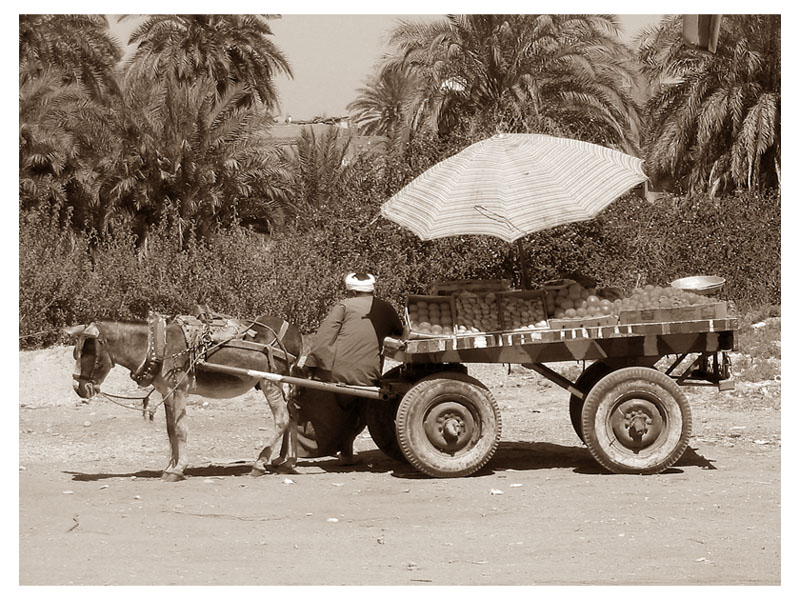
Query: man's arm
x,y
322,346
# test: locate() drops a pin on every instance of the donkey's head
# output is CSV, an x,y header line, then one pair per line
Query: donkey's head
x,y
93,361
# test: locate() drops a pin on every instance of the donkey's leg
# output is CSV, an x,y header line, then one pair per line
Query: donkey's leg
x,y
287,459
280,415
169,412
181,433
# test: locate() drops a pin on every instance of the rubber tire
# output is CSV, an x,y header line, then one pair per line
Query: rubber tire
x,y
590,376
472,397
380,414
380,417
652,388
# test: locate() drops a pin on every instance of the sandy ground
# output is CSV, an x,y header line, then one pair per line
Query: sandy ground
x,y
93,510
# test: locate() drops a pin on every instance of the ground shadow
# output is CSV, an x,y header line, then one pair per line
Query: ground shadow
x,y
211,470
372,461
691,458
531,456
516,456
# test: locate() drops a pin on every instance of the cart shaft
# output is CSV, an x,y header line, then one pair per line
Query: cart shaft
x,y
336,388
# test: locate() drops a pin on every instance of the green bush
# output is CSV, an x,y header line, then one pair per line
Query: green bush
x,y
298,273
53,268
736,237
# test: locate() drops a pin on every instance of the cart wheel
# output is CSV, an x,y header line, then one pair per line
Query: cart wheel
x,y
448,425
636,420
380,417
591,375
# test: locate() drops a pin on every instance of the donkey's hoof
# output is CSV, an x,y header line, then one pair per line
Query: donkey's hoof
x,y
172,476
286,468
256,472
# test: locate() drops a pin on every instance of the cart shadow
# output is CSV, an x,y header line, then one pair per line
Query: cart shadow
x,y
532,456
514,456
526,456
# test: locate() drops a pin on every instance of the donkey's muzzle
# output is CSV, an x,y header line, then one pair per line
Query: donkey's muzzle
x,y
84,389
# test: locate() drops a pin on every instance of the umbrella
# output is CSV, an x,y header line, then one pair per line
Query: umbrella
x,y
511,185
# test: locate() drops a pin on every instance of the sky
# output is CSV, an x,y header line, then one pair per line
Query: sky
x,y
333,54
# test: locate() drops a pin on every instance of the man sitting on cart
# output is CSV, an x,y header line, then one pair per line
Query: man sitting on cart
x,y
347,348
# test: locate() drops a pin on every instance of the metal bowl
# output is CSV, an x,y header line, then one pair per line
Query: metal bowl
x,y
700,284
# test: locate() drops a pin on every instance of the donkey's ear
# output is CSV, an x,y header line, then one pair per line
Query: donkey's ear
x,y
73,331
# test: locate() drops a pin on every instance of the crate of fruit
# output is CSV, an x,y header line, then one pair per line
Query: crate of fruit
x,y
430,316
477,312
583,322
521,310
664,305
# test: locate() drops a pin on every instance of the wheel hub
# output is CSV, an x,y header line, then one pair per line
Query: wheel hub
x,y
637,423
449,426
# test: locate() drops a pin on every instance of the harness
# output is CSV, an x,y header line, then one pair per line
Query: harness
x,y
156,351
206,336
203,337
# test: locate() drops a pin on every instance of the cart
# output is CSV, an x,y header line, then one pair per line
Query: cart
x,y
627,405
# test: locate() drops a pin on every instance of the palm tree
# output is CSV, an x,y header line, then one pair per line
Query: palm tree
x,y
381,107
68,146
231,50
68,134
321,170
715,122
78,47
198,160
557,74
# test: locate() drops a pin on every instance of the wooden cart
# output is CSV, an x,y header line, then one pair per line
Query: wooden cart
x,y
633,416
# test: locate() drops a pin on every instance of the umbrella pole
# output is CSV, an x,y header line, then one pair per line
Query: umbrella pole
x,y
525,275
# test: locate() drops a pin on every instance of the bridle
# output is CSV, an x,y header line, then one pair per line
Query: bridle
x,y
92,332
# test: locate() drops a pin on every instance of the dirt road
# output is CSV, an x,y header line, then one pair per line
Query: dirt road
x,y
93,509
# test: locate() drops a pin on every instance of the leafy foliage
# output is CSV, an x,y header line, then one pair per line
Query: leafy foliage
x,y
162,188
77,46
715,121
382,107
559,74
320,166
200,162
230,50
298,274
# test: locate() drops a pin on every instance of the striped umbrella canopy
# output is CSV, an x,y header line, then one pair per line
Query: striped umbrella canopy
x,y
513,184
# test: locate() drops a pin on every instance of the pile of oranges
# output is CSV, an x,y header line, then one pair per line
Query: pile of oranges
x,y
577,302
523,313
477,312
651,297
433,317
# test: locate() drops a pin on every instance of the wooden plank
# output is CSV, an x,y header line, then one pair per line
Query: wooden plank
x,y
620,340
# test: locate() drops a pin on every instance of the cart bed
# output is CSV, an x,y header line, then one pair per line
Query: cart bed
x,y
594,343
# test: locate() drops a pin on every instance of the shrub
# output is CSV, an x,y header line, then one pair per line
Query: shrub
x,y
298,273
52,271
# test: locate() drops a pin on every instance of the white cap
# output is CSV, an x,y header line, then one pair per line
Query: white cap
x,y
351,282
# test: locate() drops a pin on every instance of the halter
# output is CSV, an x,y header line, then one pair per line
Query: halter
x,y
92,332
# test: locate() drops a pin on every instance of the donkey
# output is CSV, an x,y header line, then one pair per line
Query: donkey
x,y
275,345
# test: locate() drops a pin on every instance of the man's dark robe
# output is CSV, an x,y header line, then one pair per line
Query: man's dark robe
x,y
346,349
